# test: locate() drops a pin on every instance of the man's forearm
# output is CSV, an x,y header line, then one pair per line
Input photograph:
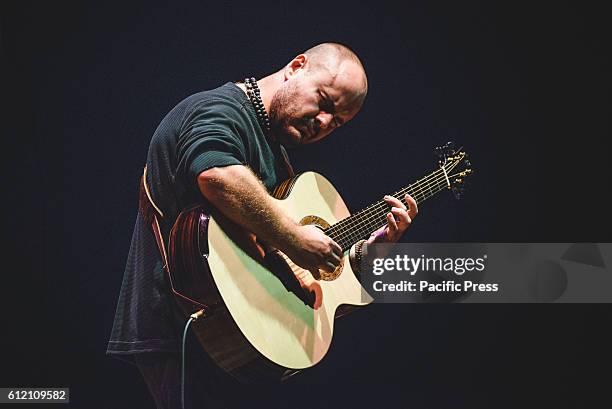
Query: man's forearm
x,y
237,193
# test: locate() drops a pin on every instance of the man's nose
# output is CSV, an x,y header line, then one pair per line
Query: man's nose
x,y
325,119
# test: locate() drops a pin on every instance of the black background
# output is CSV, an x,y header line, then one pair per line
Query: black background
x,y
525,87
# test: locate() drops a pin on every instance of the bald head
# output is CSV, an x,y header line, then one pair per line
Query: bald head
x,y
332,57
331,53
317,92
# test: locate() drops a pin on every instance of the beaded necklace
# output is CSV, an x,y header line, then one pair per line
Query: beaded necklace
x,y
255,97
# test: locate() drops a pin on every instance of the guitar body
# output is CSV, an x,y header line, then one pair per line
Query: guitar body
x,y
259,321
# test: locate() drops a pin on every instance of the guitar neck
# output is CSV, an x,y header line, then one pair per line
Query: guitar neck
x,y
360,225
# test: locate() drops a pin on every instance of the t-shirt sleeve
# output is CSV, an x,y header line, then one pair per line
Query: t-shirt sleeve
x,y
210,137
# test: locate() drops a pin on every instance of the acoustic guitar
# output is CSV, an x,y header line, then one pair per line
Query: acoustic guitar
x,y
258,322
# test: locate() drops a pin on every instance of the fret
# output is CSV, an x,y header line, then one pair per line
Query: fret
x,y
360,225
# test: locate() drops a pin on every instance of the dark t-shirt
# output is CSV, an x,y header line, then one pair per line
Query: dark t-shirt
x,y
208,129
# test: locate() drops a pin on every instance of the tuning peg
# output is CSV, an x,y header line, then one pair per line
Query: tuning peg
x,y
440,152
444,151
450,147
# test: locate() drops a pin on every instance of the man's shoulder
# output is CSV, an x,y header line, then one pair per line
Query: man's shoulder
x,y
227,96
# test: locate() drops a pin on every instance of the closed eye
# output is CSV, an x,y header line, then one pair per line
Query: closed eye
x,y
328,106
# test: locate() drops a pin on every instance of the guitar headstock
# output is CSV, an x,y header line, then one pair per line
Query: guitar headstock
x,y
455,165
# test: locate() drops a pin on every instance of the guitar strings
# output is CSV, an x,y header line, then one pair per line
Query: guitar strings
x,y
418,184
357,219
357,225
375,212
372,221
366,225
347,225
419,194
380,210
361,227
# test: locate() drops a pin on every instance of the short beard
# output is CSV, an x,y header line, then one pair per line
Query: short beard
x,y
280,114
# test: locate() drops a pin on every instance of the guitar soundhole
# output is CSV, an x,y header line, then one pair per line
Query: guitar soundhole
x,y
323,225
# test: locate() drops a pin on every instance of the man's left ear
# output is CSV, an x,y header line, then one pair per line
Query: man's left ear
x,y
296,65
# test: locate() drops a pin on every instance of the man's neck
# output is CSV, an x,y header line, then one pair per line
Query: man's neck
x,y
267,87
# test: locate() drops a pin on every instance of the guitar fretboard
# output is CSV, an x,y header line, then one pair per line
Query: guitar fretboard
x,y
360,225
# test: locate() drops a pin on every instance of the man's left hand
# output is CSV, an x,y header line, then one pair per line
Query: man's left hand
x,y
398,220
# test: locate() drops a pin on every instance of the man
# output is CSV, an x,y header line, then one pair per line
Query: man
x,y
225,148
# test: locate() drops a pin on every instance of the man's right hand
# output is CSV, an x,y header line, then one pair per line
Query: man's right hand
x,y
313,250
239,195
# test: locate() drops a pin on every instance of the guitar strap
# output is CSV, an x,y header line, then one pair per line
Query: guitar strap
x,y
152,214
287,162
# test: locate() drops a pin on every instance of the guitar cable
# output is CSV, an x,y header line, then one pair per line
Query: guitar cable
x,y
192,317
